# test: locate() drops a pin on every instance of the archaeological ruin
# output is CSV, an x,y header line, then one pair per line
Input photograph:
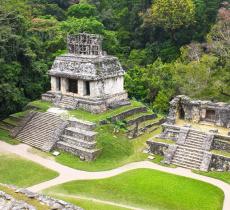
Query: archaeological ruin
x,y
196,135
86,77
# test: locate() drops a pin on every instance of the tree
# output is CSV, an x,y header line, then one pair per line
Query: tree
x,y
81,10
173,14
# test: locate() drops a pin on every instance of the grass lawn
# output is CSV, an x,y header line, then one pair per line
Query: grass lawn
x,y
84,115
23,173
87,204
22,197
167,141
118,150
219,152
5,136
42,106
148,189
223,176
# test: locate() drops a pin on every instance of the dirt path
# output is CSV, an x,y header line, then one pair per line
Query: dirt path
x,y
67,174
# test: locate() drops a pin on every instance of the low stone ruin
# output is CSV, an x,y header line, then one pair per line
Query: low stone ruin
x,y
192,147
198,111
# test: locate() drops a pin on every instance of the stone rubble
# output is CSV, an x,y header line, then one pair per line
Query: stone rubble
x,y
7,202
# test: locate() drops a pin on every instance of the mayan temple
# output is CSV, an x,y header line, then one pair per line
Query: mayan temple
x,y
86,77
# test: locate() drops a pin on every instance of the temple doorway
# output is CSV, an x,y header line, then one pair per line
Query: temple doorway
x,y
58,85
181,112
87,86
73,86
210,115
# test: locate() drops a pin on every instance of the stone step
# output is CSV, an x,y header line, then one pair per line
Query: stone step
x,y
195,142
188,157
78,142
184,165
188,141
189,154
39,132
196,138
194,146
80,124
196,134
87,154
81,134
189,149
187,161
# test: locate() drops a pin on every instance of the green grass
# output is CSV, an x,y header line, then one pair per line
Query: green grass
x,y
10,121
5,136
21,197
81,114
87,204
137,115
223,176
148,189
219,152
167,141
42,106
23,173
20,114
117,150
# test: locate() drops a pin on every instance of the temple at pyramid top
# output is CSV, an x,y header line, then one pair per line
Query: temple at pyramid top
x,y
85,44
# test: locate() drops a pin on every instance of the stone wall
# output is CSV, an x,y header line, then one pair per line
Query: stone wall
x,y
141,119
87,155
219,163
157,148
124,114
108,86
221,143
170,132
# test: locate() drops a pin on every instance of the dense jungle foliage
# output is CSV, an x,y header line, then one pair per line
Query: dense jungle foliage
x,y
167,47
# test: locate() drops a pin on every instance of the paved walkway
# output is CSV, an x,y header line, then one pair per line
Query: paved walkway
x,y
97,201
68,174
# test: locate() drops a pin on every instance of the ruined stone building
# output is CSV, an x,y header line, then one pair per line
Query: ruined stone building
x,y
200,132
86,77
198,111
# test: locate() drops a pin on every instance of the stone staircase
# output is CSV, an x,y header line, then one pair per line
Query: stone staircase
x,y
188,157
67,102
192,153
42,131
79,138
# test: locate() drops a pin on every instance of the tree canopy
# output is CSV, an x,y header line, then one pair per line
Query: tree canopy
x,y
167,47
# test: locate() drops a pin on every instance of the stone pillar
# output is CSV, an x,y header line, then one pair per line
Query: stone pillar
x,y
80,87
64,85
53,83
